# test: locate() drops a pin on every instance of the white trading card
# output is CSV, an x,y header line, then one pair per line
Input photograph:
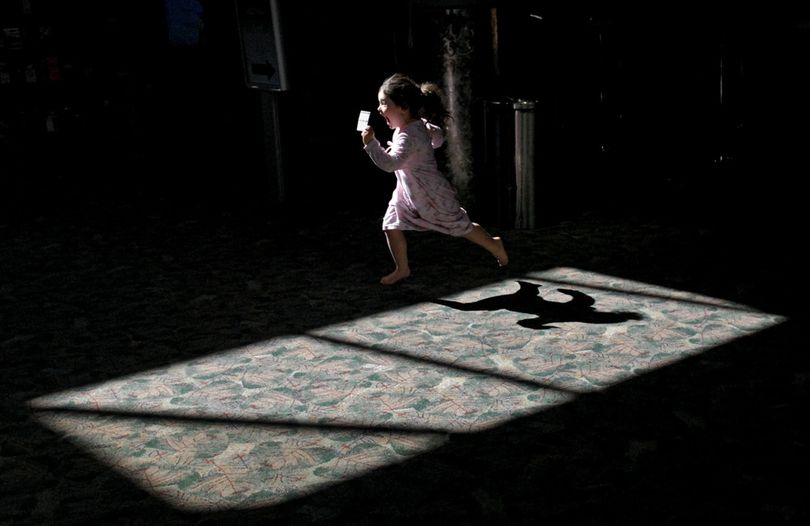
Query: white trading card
x,y
362,120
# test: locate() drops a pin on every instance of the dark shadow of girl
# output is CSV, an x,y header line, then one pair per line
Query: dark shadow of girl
x,y
527,300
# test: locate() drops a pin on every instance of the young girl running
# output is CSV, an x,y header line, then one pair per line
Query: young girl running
x,y
423,198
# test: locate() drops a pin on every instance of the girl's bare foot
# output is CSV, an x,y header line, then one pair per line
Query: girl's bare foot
x,y
395,276
500,253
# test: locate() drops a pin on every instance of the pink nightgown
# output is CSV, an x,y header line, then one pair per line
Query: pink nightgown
x,y
423,199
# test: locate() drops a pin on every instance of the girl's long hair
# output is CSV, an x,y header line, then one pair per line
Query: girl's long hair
x,y
425,100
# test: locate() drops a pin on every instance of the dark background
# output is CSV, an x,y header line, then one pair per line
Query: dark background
x,y
128,126
144,114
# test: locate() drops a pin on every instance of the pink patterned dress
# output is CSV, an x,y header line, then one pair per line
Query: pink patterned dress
x,y
423,199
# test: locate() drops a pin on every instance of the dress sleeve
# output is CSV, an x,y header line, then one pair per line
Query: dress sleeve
x,y
395,156
436,134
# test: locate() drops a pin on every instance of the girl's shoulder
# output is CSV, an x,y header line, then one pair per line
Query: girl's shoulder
x,y
414,129
432,127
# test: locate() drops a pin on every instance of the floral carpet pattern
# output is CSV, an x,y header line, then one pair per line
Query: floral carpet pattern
x,y
426,370
250,376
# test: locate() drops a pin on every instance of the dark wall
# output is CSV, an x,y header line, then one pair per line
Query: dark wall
x,y
113,109
629,110
139,117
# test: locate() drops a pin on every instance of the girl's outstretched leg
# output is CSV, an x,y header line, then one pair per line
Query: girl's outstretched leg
x,y
494,245
398,247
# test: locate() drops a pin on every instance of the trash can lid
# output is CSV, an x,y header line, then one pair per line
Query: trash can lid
x,y
523,105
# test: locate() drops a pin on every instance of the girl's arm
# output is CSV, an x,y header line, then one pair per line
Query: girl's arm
x,y
395,156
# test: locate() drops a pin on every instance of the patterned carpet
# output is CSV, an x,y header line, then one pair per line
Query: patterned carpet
x,y
186,370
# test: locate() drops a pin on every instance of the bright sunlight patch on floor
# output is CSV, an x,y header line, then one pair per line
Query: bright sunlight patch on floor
x,y
261,424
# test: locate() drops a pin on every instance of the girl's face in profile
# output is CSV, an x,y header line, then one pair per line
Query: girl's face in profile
x,y
395,116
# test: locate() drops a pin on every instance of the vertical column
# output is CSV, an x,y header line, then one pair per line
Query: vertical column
x,y
524,163
457,57
273,147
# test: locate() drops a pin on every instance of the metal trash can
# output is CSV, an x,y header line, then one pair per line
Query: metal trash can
x,y
525,214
